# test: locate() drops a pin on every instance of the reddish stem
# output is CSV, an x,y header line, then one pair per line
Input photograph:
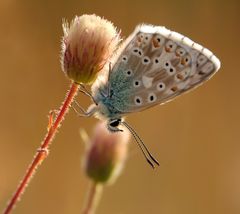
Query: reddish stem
x,y
43,150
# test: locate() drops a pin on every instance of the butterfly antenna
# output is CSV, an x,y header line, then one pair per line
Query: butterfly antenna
x,y
142,146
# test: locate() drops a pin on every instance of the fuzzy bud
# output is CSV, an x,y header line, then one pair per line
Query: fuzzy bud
x,y
87,44
106,154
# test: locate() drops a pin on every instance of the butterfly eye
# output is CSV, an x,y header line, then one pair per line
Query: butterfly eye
x,y
124,58
180,52
129,72
170,46
146,60
160,86
201,60
152,97
138,100
136,83
115,122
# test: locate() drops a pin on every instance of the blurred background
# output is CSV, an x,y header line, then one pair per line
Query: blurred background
x,y
195,138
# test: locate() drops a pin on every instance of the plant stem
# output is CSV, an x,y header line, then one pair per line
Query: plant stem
x,y
93,198
42,152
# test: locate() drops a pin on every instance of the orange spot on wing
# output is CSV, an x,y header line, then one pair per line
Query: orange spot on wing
x,y
180,76
155,43
167,49
183,62
174,89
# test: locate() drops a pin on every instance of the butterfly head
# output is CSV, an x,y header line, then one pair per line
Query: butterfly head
x,y
113,125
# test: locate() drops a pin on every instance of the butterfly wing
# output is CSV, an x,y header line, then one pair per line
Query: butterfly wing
x,y
156,65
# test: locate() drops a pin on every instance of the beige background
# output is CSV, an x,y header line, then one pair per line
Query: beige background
x,y
195,138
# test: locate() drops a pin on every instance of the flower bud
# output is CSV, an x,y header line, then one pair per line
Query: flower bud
x,y
106,154
87,44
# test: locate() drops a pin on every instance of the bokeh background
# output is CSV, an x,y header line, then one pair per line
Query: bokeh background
x,y
195,138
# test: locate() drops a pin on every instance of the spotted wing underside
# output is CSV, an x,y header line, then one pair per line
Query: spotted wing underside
x,y
161,64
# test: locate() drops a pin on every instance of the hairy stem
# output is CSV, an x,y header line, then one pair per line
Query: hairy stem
x,y
43,150
93,198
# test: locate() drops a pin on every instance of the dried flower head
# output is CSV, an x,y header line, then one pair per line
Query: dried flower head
x,y
106,154
87,44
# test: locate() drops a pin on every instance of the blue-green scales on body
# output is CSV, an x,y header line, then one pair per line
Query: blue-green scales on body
x,y
119,86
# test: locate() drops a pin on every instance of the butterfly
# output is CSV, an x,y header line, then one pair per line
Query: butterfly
x,y
153,66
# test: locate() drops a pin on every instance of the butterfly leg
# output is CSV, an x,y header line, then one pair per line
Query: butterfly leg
x,y
84,113
85,91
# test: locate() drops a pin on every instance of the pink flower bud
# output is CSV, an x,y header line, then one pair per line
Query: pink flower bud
x,y
106,154
87,44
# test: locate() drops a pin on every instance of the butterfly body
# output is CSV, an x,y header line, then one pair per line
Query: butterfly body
x,y
153,66
113,101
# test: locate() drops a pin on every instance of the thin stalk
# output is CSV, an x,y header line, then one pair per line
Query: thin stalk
x,y
42,152
93,198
